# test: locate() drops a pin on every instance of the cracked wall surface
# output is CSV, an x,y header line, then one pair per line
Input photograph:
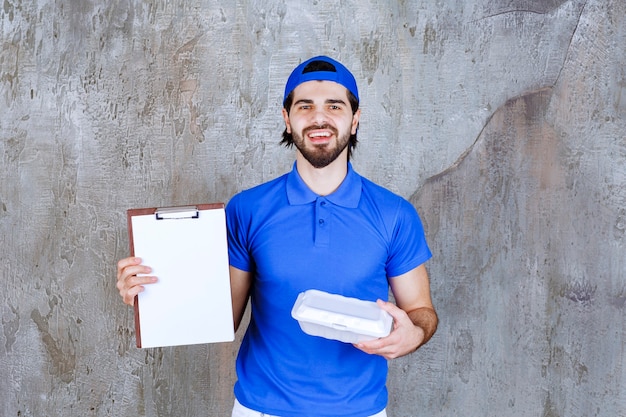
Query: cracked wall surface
x,y
501,121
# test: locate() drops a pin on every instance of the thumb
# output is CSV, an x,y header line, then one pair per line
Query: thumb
x,y
390,308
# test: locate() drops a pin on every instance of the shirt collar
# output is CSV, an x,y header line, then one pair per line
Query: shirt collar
x,y
347,195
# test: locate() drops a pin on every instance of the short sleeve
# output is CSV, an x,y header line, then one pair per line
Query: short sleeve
x,y
236,223
408,248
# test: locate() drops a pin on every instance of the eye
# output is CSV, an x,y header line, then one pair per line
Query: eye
x,y
335,105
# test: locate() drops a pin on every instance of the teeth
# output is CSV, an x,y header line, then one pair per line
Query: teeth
x,y
319,134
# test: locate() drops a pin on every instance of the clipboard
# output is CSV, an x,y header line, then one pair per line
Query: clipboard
x,y
187,249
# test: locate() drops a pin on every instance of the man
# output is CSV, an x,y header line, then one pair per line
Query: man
x,y
321,226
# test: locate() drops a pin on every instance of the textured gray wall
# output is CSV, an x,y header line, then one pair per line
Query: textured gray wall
x,y
502,121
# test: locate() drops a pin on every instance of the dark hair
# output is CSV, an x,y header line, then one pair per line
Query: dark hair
x,y
354,104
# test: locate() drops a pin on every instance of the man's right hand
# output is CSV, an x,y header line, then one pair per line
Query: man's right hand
x,y
128,282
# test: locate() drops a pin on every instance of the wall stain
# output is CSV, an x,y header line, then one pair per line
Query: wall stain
x,y
580,292
63,360
463,354
619,229
522,6
618,300
430,37
566,363
370,56
188,86
14,146
125,336
10,326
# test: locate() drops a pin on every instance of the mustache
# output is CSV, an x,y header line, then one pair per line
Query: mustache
x,y
325,126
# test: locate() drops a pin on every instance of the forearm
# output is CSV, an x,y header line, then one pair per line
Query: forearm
x,y
426,319
240,282
239,308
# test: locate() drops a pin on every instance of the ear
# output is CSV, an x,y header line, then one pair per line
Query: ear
x,y
355,121
287,123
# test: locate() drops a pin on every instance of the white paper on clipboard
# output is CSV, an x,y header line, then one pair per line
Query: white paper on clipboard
x,y
187,249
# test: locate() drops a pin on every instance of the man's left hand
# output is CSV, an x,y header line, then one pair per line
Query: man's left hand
x,y
405,337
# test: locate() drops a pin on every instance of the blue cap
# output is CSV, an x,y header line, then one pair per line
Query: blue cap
x,y
341,75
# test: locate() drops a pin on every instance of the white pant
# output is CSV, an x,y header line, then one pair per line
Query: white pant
x,y
241,411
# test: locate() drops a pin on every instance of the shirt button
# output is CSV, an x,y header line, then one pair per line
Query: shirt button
x,y
321,222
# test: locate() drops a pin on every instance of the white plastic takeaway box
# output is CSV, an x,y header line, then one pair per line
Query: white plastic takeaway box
x,y
334,316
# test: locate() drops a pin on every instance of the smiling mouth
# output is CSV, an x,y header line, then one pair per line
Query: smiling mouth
x,y
314,135
319,133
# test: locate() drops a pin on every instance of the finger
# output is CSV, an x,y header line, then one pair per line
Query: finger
x,y
127,267
125,275
365,348
400,317
133,286
129,296
131,260
133,270
370,349
390,308
131,279
374,345
129,282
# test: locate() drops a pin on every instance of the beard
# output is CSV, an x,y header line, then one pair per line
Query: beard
x,y
320,156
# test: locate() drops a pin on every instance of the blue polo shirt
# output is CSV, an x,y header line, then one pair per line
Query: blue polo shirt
x,y
349,243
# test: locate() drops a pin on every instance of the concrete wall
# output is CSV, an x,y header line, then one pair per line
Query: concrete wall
x,y
502,121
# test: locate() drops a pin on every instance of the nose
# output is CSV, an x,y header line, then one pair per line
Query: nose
x,y
319,117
